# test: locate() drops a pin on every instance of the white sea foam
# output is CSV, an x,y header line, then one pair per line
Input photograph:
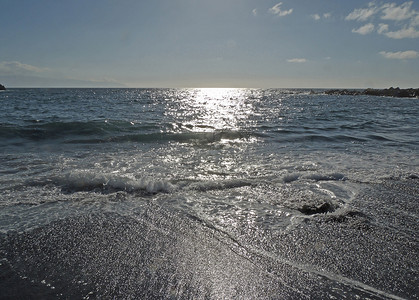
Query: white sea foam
x,y
92,181
218,185
313,176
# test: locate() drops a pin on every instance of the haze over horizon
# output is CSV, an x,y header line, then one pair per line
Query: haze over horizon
x,y
189,43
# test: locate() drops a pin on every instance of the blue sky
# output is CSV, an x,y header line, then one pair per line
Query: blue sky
x,y
209,43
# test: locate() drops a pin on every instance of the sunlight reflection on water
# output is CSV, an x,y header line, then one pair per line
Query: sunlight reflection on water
x,y
212,109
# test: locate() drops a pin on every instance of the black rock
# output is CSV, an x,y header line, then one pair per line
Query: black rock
x,y
391,92
316,209
2,87
343,92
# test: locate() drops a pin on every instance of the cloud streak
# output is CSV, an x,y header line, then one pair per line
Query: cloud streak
x,y
366,29
16,73
362,14
403,33
16,67
297,60
382,28
276,10
410,54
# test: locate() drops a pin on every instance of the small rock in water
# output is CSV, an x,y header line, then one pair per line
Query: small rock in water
x,y
316,209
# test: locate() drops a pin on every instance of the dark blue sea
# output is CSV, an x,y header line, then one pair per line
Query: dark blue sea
x,y
208,194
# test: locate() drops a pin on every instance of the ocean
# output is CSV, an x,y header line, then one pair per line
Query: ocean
x,y
208,194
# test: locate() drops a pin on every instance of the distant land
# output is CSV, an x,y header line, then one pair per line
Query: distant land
x,y
391,92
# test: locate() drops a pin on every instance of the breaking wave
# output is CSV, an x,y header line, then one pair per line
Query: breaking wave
x,y
103,183
313,176
94,132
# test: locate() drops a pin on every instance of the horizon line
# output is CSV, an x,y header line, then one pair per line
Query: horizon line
x,y
196,87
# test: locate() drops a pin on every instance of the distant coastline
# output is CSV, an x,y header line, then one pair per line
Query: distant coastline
x,y
390,92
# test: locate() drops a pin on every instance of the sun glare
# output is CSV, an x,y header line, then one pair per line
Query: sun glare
x,y
221,108
217,93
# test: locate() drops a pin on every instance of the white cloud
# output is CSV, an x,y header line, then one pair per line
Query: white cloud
x,y
316,17
276,10
297,60
382,28
403,18
15,67
397,13
366,29
255,12
362,14
410,54
407,32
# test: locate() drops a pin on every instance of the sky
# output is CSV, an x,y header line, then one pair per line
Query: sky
x,y
209,43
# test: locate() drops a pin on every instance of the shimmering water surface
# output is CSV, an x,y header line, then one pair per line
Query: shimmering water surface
x,y
208,193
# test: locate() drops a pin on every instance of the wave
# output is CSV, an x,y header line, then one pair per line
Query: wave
x,y
312,137
183,137
93,132
377,137
361,125
88,181
320,138
313,176
118,131
205,186
54,130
